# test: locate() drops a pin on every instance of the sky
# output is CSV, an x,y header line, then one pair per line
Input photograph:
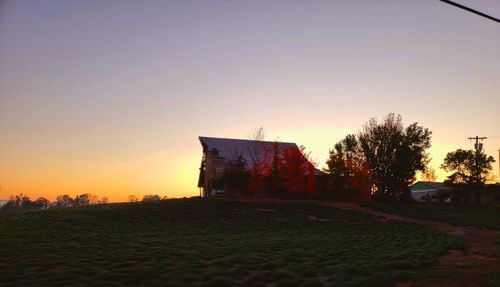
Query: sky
x,y
109,97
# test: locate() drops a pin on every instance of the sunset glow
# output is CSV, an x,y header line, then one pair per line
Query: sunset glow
x,y
110,97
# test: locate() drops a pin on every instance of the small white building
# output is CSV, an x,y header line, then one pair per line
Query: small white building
x,y
429,191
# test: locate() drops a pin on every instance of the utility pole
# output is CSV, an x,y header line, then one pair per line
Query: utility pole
x,y
478,146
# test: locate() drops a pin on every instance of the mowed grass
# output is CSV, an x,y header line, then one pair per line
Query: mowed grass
x,y
486,216
213,243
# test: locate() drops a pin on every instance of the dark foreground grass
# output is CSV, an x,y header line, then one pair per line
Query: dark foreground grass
x,y
213,243
486,216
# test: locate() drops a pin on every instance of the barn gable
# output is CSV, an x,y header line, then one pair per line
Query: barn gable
x,y
217,151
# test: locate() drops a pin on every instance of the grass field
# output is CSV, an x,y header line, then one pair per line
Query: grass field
x,y
213,243
487,216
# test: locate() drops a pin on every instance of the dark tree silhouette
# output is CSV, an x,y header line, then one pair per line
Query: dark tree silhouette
x,y
394,154
17,202
151,198
274,180
236,177
64,201
83,199
41,203
471,169
293,170
256,162
348,177
297,173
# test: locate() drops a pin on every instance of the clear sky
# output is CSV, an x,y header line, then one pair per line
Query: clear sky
x,y
109,97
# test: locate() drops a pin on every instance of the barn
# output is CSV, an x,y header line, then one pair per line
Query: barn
x,y
218,151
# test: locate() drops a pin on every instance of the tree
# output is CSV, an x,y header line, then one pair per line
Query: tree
x,y
16,202
64,200
133,198
258,160
104,200
348,177
83,199
274,180
151,198
41,203
345,157
236,176
258,134
471,169
297,173
293,170
94,199
394,154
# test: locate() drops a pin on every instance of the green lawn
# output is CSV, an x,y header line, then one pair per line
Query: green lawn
x,y
487,216
213,243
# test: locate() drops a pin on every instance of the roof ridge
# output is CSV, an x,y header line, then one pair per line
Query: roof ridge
x,y
247,140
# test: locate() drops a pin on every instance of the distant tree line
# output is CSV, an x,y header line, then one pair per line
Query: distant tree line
x,y
22,202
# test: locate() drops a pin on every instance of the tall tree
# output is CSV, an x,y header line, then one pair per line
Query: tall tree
x,y
470,170
394,154
293,170
345,157
348,176
275,180
258,160
258,134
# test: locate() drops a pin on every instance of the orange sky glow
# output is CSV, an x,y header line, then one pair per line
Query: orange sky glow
x,y
110,97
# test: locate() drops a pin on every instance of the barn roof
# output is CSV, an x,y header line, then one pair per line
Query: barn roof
x,y
251,150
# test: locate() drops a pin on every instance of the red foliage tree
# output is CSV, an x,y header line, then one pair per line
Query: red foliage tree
x,y
348,176
298,174
259,172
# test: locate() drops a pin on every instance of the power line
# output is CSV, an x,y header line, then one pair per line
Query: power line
x,y
471,10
